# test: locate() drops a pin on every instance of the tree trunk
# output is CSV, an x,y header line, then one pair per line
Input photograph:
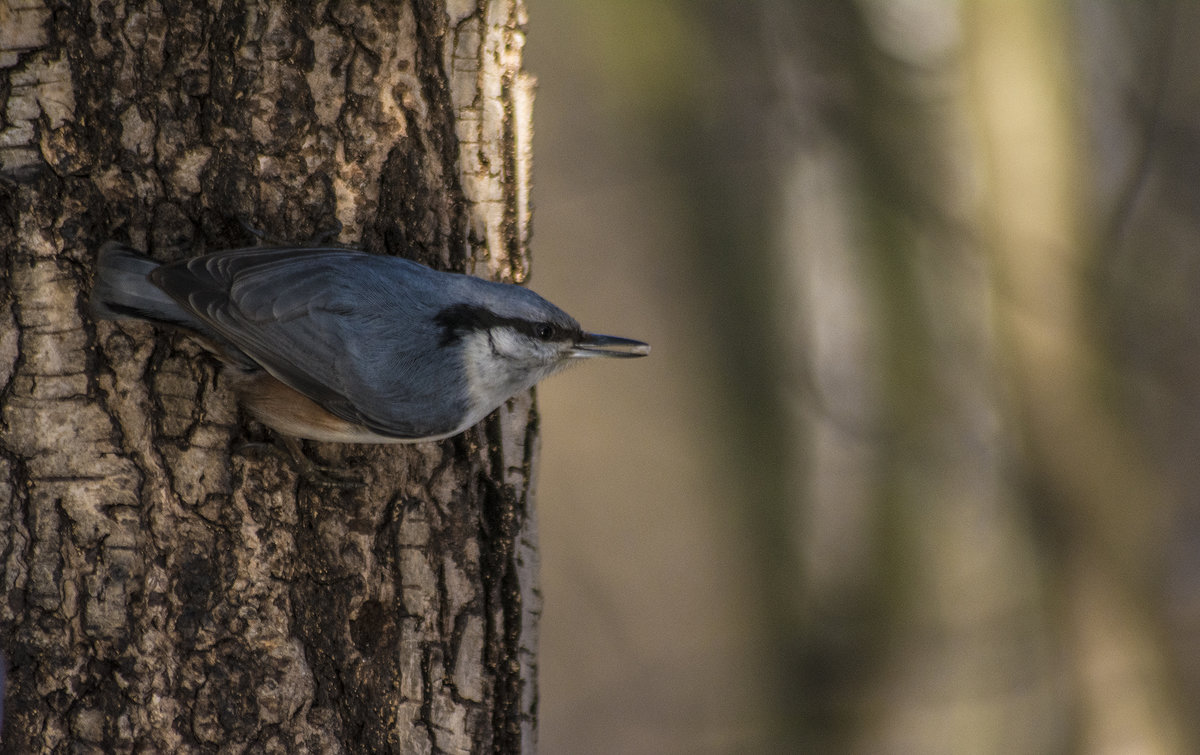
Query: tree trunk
x,y
165,588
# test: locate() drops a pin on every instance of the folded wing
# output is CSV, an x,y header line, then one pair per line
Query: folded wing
x,y
348,329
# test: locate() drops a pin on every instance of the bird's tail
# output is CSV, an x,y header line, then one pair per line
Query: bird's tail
x,y
123,290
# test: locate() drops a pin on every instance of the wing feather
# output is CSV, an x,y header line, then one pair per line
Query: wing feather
x,y
349,330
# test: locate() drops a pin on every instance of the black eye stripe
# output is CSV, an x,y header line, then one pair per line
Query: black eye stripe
x,y
464,318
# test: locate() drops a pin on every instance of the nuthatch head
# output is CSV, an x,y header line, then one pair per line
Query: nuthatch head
x,y
339,345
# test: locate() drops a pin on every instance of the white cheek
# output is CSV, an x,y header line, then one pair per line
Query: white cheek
x,y
507,343
499,368
491,377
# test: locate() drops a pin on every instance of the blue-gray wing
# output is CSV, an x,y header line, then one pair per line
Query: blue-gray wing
x,y
352,331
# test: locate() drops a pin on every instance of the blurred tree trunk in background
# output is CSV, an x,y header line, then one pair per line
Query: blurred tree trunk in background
x,y
982,530
164,592
1043,229
944,258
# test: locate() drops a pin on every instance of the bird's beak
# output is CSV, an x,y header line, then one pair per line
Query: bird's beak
x,y
596,345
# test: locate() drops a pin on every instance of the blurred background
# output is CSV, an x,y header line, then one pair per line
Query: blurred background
x,y
913,467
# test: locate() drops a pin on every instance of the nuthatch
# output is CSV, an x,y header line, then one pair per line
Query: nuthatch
x,y
339,345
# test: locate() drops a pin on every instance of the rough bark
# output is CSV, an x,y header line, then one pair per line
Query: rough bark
x,y
165,589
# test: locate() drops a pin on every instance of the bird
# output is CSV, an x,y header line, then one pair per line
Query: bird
x,y
340,345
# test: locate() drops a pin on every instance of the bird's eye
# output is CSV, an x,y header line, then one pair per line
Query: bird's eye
x,y
544,331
